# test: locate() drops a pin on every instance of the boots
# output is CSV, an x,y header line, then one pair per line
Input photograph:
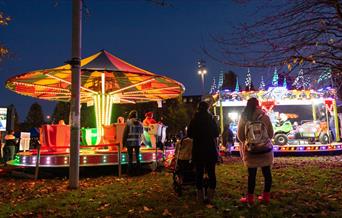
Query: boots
x,y
210,196
200,195
264,198
248,199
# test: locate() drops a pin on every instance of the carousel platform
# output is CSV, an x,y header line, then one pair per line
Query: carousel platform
x,y
88,157
301,149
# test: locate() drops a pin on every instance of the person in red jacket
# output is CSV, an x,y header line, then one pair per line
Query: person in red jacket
x,y
149,119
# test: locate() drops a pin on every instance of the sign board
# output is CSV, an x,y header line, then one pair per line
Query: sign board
x,y
3,118
329,103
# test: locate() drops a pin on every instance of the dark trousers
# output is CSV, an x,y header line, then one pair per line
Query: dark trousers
x,y
266,172
130,156
9,153
210,169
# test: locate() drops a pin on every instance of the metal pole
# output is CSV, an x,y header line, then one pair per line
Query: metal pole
x,y
36,173
75,94
337,127
327,117
119,160
221,114
202,75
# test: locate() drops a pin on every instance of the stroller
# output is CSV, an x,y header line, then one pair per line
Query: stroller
x,y
184,173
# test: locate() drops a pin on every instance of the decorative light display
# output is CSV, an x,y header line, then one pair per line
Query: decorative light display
x,y
105,80
326,75
237,87
86,159
300,148
248,81
329,103
213,87
220,81
262,84
275,78
284,83
268,105
301,82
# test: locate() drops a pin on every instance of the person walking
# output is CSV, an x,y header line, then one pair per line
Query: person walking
x,y
255,132
204,132
132,140
9,148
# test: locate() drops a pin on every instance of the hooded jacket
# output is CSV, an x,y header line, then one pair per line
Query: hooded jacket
x,y
255,160
204,132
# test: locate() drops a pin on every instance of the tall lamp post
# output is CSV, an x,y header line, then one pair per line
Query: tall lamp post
x,y
202,71
75,94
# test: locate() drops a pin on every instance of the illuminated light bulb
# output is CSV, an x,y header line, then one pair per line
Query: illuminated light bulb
x,y
65,158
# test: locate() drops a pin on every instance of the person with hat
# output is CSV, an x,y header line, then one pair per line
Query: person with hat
x,y
132,139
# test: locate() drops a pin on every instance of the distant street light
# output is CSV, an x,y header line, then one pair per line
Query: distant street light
x,y
202,71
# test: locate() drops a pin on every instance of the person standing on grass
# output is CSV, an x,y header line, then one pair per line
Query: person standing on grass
x,y
132,139
255,132
9,148
204,132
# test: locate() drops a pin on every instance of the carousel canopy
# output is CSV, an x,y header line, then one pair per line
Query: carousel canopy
x,y
101,73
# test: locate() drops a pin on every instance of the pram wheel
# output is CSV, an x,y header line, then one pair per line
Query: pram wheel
x,y
178,189
177,184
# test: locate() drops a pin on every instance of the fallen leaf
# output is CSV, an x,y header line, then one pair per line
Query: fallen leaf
x,y
209,206
166,212
147,209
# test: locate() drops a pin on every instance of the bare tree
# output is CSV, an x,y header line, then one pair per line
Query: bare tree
x,y
4,19
305,34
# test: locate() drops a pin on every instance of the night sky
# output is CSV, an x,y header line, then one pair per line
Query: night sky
x,y
162,40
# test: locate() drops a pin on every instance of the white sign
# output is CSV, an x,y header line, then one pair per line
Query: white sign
x,y
3,119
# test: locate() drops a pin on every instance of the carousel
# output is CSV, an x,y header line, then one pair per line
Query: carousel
x,y
305,122
106,81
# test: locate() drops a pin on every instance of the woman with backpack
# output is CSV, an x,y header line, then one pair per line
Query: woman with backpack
x,y
255,133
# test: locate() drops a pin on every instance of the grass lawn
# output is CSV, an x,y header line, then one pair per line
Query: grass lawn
x,y
302,187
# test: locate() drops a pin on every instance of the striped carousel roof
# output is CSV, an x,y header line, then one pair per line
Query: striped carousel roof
x,y
125,82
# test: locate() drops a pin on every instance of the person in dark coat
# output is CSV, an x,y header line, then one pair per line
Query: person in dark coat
x,y
204,132
9,148
132,139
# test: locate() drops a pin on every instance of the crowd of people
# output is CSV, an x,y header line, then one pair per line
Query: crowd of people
x,y
200,142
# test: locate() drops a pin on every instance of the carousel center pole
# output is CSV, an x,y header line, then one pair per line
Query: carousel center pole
x,y
75,94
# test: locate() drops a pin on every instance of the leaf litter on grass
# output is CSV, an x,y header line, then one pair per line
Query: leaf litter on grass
x,y
305,183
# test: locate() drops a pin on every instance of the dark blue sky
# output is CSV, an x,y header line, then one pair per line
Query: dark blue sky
x,y
165,41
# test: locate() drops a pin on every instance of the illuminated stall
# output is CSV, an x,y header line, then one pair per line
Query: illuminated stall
x,y
303,120
106,80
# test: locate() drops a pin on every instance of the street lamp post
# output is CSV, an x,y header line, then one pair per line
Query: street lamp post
x,y
202,71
